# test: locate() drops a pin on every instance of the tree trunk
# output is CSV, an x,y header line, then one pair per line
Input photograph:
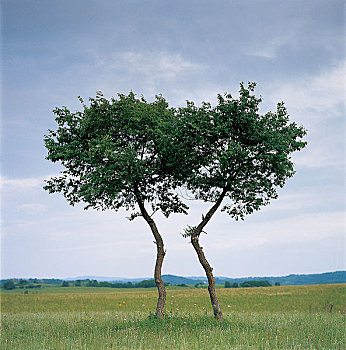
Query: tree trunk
x,y
203,260
211,281
157,272
160,254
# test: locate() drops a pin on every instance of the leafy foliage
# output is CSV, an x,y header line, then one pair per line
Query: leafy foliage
x,y
247,284
113,150
142,284
189,231
238,150
9,285
116,148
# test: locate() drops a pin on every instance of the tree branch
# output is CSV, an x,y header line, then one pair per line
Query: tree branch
x,y
140,202
208,216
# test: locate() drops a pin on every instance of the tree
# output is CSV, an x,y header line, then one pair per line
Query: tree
x,y
9,284
22,283
249,284
243,157
227,284
92,283
65,284
277,284
78,283
145,284
116,154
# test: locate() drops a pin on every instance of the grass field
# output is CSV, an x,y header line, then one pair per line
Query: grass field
x,y
290,317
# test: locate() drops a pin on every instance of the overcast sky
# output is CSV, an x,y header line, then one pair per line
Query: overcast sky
x,y
54,51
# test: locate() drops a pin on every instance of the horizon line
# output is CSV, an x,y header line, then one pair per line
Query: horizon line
x,y
169,274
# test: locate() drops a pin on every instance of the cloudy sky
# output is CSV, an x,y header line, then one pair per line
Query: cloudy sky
x,y
54,51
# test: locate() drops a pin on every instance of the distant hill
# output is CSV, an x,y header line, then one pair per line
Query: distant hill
x,y
172,279
106,279
294,280
290,280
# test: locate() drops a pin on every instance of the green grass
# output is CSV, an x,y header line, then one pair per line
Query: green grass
x,y
255,318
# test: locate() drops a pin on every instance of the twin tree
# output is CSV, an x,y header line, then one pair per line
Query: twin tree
x,y
128,153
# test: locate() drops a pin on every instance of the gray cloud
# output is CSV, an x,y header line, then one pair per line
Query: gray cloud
x,y
54,51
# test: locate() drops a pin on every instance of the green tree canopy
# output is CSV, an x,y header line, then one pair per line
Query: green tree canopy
x,y
241,153
112,153
227,284
9,284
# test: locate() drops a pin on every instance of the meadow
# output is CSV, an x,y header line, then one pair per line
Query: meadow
x,y
286,317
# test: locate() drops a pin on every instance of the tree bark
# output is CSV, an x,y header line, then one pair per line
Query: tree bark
x,y
160,254
211,281
203,260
